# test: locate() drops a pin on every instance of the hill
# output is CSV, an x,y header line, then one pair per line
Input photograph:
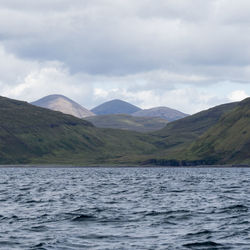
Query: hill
x,y
186,130
177,136
34,135
115,107
30,134
128,122
161,112
63,104
228,141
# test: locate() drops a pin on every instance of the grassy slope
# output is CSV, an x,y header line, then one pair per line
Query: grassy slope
x,y
228,141
127,122
177,135
30,134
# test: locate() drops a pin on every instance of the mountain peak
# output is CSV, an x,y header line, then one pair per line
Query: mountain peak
x,y
115,106
63,104
162,112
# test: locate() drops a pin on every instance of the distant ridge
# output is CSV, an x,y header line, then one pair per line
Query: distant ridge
x,y
128,122
161,112
63,104
115,107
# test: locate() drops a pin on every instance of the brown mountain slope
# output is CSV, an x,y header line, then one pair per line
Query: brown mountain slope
x,y
63,104
161,112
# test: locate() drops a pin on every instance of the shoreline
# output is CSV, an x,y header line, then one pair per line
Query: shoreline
x,y
119,166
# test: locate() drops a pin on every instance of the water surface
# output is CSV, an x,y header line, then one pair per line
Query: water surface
x,y
124,208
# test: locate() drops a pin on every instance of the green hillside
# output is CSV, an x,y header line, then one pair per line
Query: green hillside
x,y
177,135
30,134
128,122
228,141
34,135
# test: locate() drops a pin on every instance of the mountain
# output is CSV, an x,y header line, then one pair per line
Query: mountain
x,y
177,136
63,104
128,122
162,112
34,135
188,129
228,141
115,107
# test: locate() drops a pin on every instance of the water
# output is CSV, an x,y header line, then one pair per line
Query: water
x,y
108,208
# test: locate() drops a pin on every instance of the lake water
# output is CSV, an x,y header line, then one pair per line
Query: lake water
x,y
124,208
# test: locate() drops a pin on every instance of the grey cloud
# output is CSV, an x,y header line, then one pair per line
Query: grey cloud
x,y
39,6
232,12
128,37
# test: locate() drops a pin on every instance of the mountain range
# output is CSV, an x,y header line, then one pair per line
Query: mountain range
x,y
31,134
122,107
34,135
113,114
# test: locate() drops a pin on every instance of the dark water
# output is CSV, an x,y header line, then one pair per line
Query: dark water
x,y
162,208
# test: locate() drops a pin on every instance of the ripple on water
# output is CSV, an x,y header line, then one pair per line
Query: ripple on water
x,y
83,218
203,245
149,208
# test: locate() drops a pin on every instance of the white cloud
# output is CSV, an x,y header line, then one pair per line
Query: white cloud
x,y
49,80
13,68
238,95
186,99
30,79
128,37
152,53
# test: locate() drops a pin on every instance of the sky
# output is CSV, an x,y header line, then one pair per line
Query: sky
x,y
189,55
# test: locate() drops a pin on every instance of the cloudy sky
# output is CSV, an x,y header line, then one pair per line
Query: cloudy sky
x,y
188,55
